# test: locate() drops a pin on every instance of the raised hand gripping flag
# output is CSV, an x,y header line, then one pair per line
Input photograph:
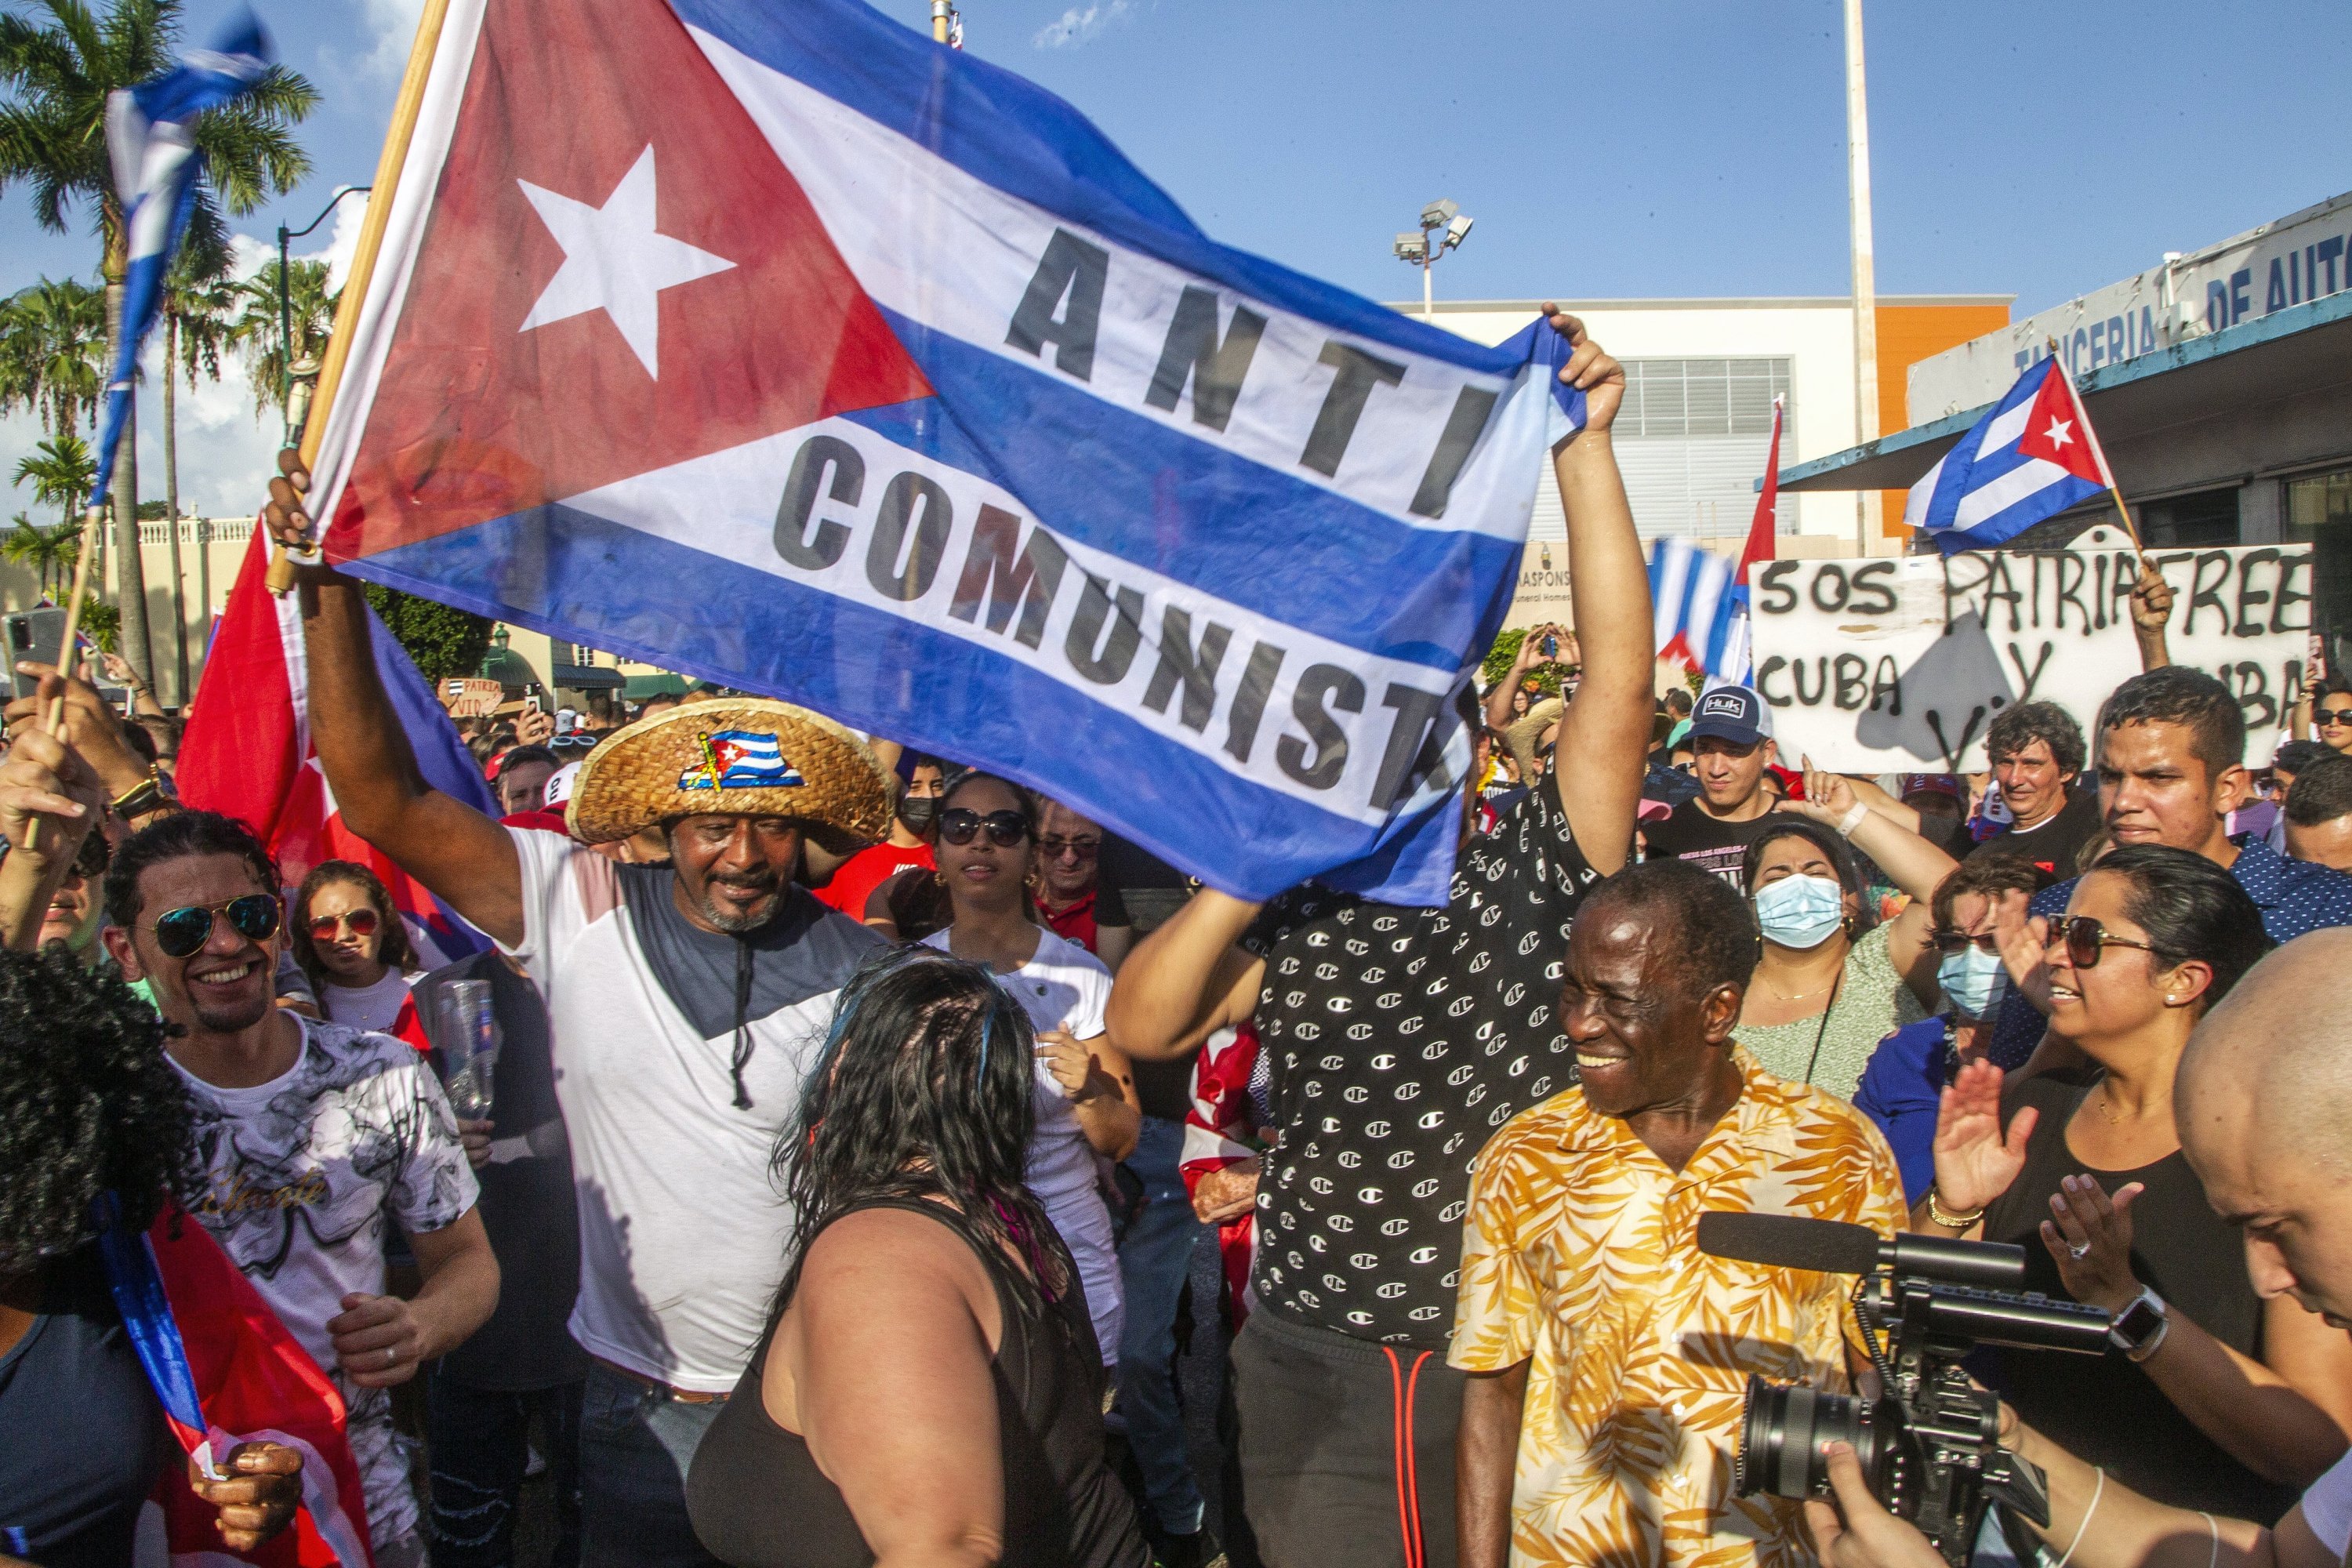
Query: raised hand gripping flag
x,y
2029,458
770,342
151,141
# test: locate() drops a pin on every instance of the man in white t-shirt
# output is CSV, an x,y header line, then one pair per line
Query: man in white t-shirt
x,y
2263,1101
685,1002
311,1136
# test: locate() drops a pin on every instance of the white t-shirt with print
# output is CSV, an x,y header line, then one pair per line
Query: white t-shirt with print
x,y
683,1229
300,1174
2327,1507
375,1007
1064,987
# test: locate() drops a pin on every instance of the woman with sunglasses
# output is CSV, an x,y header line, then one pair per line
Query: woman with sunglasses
x,y
1087,1103
929,1389
2216,1399
348,938
2331,716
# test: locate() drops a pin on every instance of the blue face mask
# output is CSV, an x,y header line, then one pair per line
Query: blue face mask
x,y
1800,911
1974,981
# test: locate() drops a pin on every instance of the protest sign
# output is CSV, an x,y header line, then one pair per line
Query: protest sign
x,y
472,698
1886,666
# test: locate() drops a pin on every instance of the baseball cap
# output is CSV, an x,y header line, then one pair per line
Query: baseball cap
x,y
1931,783
1732,713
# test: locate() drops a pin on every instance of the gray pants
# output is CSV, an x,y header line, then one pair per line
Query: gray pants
x,y
636,1446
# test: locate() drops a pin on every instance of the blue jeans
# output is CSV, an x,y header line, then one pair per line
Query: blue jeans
x,y
479,1451
1155,1262
635,1446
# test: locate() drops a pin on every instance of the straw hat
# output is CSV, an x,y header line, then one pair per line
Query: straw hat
x,y
746,756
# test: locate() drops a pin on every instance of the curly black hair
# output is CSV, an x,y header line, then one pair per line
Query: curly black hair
x,y
922,1089
174,837
1713,926
88,1106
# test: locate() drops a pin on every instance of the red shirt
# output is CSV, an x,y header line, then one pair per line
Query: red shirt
x,y
867,869
1076,923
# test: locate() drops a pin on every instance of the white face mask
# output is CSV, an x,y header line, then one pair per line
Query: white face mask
x,y
1974,981
1800,911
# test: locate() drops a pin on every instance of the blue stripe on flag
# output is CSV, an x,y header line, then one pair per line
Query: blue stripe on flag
x,y
558,570
1968,469
138,1291
1031,145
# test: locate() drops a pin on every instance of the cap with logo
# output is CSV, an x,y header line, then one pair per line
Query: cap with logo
x,y
1732,713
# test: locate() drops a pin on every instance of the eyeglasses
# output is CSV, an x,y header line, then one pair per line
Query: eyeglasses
x,y
182,933
1961,941
363,923
1005,828
2333,718
1082,848
573,744
2084,937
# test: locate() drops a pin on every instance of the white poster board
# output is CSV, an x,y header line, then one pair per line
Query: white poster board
x,y
1898,665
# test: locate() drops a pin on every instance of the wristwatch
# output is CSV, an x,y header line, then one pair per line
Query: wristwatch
x,y
2141,1326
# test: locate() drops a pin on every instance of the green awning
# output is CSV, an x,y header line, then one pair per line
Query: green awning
x,y
510,670
639,686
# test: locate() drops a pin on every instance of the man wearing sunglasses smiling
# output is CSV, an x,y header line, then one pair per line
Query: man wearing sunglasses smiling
x,y
315,1138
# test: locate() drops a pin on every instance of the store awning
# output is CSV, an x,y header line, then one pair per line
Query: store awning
x,y
586,677
637,687
510,670
2287,354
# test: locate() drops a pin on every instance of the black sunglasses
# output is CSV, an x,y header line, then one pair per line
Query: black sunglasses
x,y
2332,717
182,933
1961,941
1005,828
2084,937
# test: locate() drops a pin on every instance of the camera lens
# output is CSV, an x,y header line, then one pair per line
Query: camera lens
x,y
1785,1431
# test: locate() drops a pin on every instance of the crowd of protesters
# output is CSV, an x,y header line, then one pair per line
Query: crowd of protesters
x,y
834,1190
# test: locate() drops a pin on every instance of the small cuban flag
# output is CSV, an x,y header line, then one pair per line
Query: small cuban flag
x,y
2032,456
151,141
741,759
1696,610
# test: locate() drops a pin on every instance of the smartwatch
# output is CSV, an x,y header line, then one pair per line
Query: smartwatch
x,y
2141,1326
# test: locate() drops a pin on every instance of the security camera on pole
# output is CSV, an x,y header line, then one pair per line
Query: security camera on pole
x,y
1444,226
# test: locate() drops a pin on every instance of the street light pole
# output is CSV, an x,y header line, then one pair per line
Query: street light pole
x,y
1865,288
286,309
1444,226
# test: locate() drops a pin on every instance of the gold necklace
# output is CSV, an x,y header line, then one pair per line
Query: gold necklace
x,y
1799,996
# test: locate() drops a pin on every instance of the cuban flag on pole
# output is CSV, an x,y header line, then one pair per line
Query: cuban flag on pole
x,y
247,752
150,139
768,340
2030,458
1693,601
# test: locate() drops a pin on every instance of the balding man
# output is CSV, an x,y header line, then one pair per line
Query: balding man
x,y
2264,1102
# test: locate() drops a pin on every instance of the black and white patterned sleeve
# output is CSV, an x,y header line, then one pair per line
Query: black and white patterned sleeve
x,y
436,1186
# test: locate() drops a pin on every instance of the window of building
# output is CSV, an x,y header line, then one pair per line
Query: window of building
x,y
2191,522
1691,441
2319,514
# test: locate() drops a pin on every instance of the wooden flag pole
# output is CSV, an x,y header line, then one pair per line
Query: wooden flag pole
x,y
2107,473
57,716
388,168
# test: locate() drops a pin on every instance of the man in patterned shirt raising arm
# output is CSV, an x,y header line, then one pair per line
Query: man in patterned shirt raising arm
x,y
1607,1354
1396,1041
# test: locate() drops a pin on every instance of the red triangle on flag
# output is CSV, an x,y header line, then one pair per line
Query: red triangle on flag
x,y
617,275
2057,431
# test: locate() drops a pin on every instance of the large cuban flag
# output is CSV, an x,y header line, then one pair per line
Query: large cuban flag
x,y
2031,456
768,340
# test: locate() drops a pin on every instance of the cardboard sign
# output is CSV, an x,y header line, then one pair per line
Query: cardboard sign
x,y
1892,665
471,697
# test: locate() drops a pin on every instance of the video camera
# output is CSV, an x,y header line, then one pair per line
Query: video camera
x,y
1930,1446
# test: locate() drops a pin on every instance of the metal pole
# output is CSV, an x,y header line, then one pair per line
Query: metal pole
x,y
1866,291
1428,264
939,9
286,336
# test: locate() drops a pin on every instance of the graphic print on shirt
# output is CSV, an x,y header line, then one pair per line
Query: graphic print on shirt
x,y
1396,1041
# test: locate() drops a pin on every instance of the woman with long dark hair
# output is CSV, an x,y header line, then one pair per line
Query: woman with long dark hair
x,y
2218,1399
347,936
930,1391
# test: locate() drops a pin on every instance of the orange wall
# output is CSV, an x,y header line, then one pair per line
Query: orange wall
x,y
1908,334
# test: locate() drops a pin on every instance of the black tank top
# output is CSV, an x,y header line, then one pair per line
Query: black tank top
x,y
759,1501
2105,1409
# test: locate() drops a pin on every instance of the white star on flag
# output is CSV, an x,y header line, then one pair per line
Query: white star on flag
x,y
616,261
2057,436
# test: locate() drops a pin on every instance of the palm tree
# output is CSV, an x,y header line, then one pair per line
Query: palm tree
x,y
198,295
61,469
58,61
310,304
47,552
52,344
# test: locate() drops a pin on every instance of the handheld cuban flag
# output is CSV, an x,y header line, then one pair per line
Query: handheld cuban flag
x,y
150,138
771,343
2029,458
1692,605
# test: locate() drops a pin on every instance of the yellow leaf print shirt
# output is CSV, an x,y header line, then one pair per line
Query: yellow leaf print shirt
x,y
1580,1255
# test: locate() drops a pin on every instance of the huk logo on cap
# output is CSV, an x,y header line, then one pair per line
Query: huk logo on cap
x,y
741,759
1723,705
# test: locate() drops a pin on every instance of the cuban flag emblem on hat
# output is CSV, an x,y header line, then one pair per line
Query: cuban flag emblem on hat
x,y
741,759
2032,456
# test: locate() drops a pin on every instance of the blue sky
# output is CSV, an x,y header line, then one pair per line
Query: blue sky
x,y
1671,148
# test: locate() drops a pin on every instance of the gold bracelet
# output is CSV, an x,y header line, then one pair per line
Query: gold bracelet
x,y
1940,1215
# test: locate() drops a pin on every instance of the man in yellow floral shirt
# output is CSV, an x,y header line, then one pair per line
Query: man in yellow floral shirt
x,y
1607,1352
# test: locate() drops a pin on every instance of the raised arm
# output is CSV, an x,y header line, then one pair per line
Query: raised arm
x,y
2151,607
1531,653
1186,980
1913,864
466,858
1604,737
42,780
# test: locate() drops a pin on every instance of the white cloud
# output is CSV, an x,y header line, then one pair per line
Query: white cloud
x,y
1080,23
390,26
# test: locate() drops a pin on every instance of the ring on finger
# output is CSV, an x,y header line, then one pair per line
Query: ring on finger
x,y
2078,1250
391,1355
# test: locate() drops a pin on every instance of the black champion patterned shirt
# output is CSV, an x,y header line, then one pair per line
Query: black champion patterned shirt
x,y
1398,1041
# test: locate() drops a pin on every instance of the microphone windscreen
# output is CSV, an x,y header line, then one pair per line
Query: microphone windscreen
x,y
1784,1241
